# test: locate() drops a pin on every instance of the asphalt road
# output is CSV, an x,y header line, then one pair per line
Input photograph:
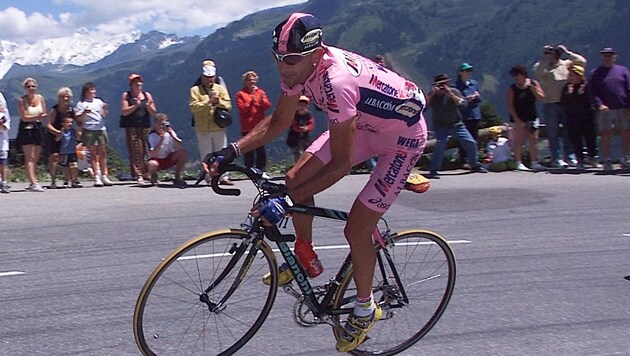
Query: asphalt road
x,y
542,273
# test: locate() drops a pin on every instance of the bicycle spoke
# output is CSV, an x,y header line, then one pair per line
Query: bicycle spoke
x,y
425,267
174,316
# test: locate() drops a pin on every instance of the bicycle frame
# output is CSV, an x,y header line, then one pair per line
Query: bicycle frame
x,y
321,309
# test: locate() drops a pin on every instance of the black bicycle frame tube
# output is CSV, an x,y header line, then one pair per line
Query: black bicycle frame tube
x,y
255,246
233,260
321,212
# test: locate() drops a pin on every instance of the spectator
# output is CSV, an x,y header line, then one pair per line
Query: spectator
x,y
92,111
166,150
499,153
32,108
471,114
303,124
252,103
553,73
5,126
521,103
137,106
67,137
204,99
609,85
580,116
445,103
57,114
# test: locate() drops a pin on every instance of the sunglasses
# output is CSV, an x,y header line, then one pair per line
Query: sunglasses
x,y
31,86
291,58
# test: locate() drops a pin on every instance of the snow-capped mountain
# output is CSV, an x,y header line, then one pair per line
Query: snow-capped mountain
x,y
81,49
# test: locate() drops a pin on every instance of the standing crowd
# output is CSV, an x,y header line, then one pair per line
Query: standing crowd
x,y
577,105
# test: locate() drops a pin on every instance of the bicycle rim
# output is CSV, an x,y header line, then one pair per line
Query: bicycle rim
x,y
425,264
171,319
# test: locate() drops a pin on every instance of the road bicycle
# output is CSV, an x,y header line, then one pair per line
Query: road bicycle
x,y
208,295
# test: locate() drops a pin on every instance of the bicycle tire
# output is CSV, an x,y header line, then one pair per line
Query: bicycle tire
x,y
171,319
426,266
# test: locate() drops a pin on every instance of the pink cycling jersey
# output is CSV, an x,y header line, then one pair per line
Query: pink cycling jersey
x,y
389,121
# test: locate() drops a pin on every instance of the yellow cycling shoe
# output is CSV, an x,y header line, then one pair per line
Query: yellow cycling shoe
x,y
356,330
284,275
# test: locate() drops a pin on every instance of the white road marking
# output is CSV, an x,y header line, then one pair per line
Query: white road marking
x,y
10,273
626,235
329,247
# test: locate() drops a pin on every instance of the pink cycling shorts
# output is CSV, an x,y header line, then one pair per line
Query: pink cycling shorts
x,y
397,154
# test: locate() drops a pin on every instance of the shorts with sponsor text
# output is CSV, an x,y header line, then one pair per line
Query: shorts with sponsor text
x,y
397,154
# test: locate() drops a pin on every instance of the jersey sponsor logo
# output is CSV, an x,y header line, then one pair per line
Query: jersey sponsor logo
x,y
383,87
379,203
329,93
408,142
366,127
311,36
383,185
409,109
378,104
353,65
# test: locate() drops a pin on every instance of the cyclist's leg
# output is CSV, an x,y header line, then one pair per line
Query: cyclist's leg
x,y
397,157
358,231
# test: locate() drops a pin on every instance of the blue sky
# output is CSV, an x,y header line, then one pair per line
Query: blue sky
x,y
33,20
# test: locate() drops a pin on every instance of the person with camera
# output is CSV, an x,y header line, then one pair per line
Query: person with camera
x,y
165,151
553,73
445,103
521,103
204,99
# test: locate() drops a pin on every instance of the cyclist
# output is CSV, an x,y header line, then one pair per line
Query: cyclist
x,y
372,111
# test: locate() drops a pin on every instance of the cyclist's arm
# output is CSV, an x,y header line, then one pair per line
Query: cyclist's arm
x,y
272,125
342,136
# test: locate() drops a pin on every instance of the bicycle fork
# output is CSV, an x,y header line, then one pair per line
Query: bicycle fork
x,y
238,253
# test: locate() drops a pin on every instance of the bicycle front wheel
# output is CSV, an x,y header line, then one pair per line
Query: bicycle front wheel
x,y
413,286
207,297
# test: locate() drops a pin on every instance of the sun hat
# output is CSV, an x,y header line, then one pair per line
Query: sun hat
x,y
134,76
208,68
465,66
297,34
608,50
440,78
578,69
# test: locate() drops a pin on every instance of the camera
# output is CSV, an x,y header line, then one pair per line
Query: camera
x,y
166,125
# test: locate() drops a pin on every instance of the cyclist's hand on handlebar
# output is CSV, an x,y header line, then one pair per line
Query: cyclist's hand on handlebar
x,y
210,163
272,210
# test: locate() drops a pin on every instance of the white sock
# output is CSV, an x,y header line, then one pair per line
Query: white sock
x,y
363,308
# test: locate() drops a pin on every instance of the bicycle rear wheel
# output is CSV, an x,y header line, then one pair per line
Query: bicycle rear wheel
x,y
413,294
174,315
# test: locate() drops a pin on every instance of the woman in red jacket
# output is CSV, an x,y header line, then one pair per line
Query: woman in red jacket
x,y
252,103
